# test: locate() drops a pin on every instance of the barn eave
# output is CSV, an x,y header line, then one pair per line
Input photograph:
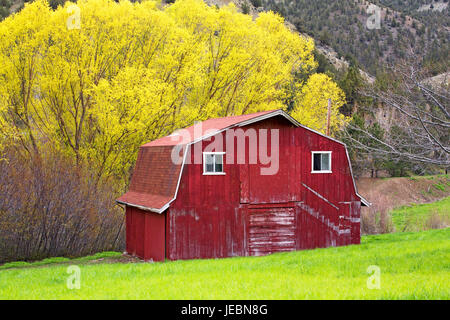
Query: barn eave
x,y
364,201
160,210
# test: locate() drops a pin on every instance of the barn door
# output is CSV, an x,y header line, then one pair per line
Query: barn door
x,y
271,230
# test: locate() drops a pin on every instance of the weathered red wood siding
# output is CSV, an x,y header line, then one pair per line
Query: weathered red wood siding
x,y
210,217
145,234
271,228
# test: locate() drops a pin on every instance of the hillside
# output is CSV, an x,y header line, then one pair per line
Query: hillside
x,y
405,204
422,216
413,266
339,28
428,11
342,26
396,192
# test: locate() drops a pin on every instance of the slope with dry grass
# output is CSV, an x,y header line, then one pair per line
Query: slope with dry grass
x,y
387,194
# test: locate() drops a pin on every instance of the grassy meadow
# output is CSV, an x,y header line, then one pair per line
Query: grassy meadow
x,y
417,217
412,266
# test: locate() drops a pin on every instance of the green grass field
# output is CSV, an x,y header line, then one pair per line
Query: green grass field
x,y
412,265
418,217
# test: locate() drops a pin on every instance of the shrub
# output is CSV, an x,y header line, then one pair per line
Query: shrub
x,y
50,207
436,221
256,3
376,219
245,8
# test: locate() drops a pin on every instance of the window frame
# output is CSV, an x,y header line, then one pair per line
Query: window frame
x,y
329,161
205,173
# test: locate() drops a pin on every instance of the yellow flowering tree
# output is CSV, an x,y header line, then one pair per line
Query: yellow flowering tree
x,y
97,80
311,107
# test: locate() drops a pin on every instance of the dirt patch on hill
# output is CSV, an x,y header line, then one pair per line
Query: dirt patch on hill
x,y
391,193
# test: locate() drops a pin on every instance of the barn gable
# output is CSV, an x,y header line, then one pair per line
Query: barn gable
x,y
155,181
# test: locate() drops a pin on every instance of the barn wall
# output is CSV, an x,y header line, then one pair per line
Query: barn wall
x,y
208,232
355,222
145,234
129,231
210,217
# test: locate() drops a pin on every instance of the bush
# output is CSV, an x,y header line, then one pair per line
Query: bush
x,y
50,207
376,222
245,8
256,3
4,12
376,219
436,221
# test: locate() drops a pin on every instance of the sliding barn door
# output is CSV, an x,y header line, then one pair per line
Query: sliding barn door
x,y
270,230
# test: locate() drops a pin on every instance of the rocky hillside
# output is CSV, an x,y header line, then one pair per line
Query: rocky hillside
x,y
341,32
405,27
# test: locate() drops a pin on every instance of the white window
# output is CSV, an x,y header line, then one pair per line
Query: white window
x,y
321,162
213,163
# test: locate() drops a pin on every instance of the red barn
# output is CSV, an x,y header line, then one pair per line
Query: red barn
x,y
241,186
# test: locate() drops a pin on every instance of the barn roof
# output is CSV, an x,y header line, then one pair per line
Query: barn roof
x,y
155,180
211,125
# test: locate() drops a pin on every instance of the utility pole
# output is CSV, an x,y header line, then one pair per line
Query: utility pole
x,y
329,117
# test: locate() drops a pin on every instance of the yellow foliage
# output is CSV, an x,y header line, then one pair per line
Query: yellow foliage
x,y
311,107
134,72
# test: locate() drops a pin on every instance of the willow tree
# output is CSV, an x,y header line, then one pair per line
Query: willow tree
x,y
311,106
126,73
